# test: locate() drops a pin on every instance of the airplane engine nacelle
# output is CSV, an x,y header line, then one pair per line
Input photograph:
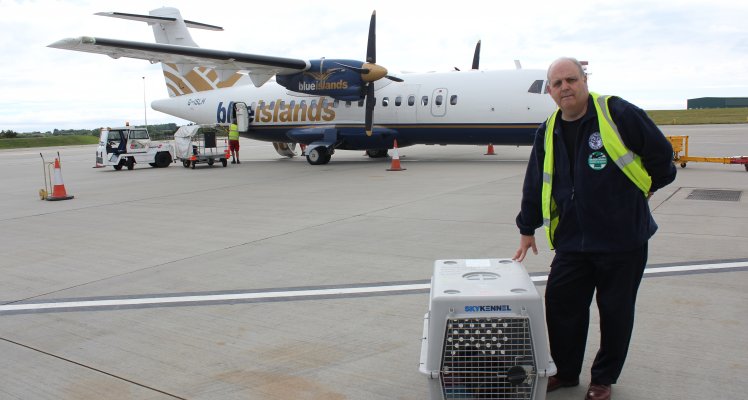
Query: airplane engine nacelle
x,y
327,78
285,149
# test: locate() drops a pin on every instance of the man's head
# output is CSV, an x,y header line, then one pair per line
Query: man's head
x,y
567,85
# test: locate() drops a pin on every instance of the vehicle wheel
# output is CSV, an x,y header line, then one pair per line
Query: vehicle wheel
x,y
193,164
746,167
211,161
318,156
152,164
130,164
118,166
683,165
224,162
186,163
163,159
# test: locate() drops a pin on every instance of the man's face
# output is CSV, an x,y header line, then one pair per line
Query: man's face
x,y
568,88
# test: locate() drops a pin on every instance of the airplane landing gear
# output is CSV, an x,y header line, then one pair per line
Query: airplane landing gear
x,y
318,156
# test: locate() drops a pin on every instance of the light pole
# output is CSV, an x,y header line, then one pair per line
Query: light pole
x,y
145,109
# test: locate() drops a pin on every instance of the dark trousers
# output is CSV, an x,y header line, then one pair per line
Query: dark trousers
x,y
573,279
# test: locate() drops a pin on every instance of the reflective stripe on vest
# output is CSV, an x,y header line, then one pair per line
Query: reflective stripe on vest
x,y
233,132
627,161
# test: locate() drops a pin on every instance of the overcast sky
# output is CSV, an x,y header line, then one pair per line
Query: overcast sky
x,y
654,54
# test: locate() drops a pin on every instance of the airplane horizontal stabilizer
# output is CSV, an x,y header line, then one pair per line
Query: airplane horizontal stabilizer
x,y
151,19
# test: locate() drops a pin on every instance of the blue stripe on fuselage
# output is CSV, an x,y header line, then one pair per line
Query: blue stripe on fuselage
x,y
352,136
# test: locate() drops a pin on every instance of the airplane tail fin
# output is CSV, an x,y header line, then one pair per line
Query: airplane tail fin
x,y
170,28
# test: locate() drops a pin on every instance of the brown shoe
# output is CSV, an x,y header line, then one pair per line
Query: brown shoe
x,y
557,383
598,392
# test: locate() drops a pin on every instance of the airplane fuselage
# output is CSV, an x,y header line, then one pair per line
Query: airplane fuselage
x,y
470,107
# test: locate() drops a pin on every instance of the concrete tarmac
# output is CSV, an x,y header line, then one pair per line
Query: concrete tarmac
x,y
275,279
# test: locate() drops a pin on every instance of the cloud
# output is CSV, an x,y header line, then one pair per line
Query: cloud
x,y
654,54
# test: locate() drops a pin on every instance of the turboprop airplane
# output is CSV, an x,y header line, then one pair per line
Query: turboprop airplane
x,y
330,104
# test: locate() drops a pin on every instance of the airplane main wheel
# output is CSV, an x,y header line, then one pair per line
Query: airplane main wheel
x,y
376,153
318,156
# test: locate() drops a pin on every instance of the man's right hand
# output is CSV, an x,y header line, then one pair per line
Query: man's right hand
x,y
525,242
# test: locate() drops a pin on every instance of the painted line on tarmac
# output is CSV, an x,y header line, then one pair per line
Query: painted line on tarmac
x,y
295,294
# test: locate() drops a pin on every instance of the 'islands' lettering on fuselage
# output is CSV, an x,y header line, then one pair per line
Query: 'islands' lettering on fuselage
x,y
280,111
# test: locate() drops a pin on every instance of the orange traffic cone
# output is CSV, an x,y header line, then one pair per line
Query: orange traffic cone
x,y
58,190
490,150
395,160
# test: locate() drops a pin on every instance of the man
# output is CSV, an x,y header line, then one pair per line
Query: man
x,y
593,166
234,142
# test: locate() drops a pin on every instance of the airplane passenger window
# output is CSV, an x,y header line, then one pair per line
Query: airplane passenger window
x,y
336,103
411,100
324,102
425,100
453,99
385,101
281,105
438,100
347,104
302,104
312,104
272,105
536,87
361,103
398,101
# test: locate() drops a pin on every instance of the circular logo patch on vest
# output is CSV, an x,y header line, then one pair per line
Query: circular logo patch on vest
x,y
597,160
595,141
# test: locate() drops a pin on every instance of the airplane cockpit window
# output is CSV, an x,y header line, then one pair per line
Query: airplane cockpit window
x,y
425,100
398,101
385,101
439,99
453,99
411,100
536,87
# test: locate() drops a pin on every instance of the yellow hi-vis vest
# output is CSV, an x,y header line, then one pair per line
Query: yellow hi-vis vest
x,y
233,132
627,161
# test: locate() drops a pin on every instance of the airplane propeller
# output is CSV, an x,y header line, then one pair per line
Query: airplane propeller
x,y
476,57
371,72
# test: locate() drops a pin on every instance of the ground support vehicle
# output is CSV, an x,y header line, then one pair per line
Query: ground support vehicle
x,y
680,144
198,144
127,146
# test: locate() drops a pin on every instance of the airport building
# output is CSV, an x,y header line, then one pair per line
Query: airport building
x,y
717,102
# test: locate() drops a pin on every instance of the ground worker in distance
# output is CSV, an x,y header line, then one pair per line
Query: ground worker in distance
x,y
234,142
594,164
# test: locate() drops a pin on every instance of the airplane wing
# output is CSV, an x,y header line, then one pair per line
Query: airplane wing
x,y
260,68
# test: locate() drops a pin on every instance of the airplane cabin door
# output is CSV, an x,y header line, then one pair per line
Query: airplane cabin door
x,y
439,102
242,116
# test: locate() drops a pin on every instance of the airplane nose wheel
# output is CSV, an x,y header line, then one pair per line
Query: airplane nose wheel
x,y
318,156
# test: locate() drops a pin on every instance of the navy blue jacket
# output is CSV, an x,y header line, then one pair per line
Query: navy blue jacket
x,y
601,210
